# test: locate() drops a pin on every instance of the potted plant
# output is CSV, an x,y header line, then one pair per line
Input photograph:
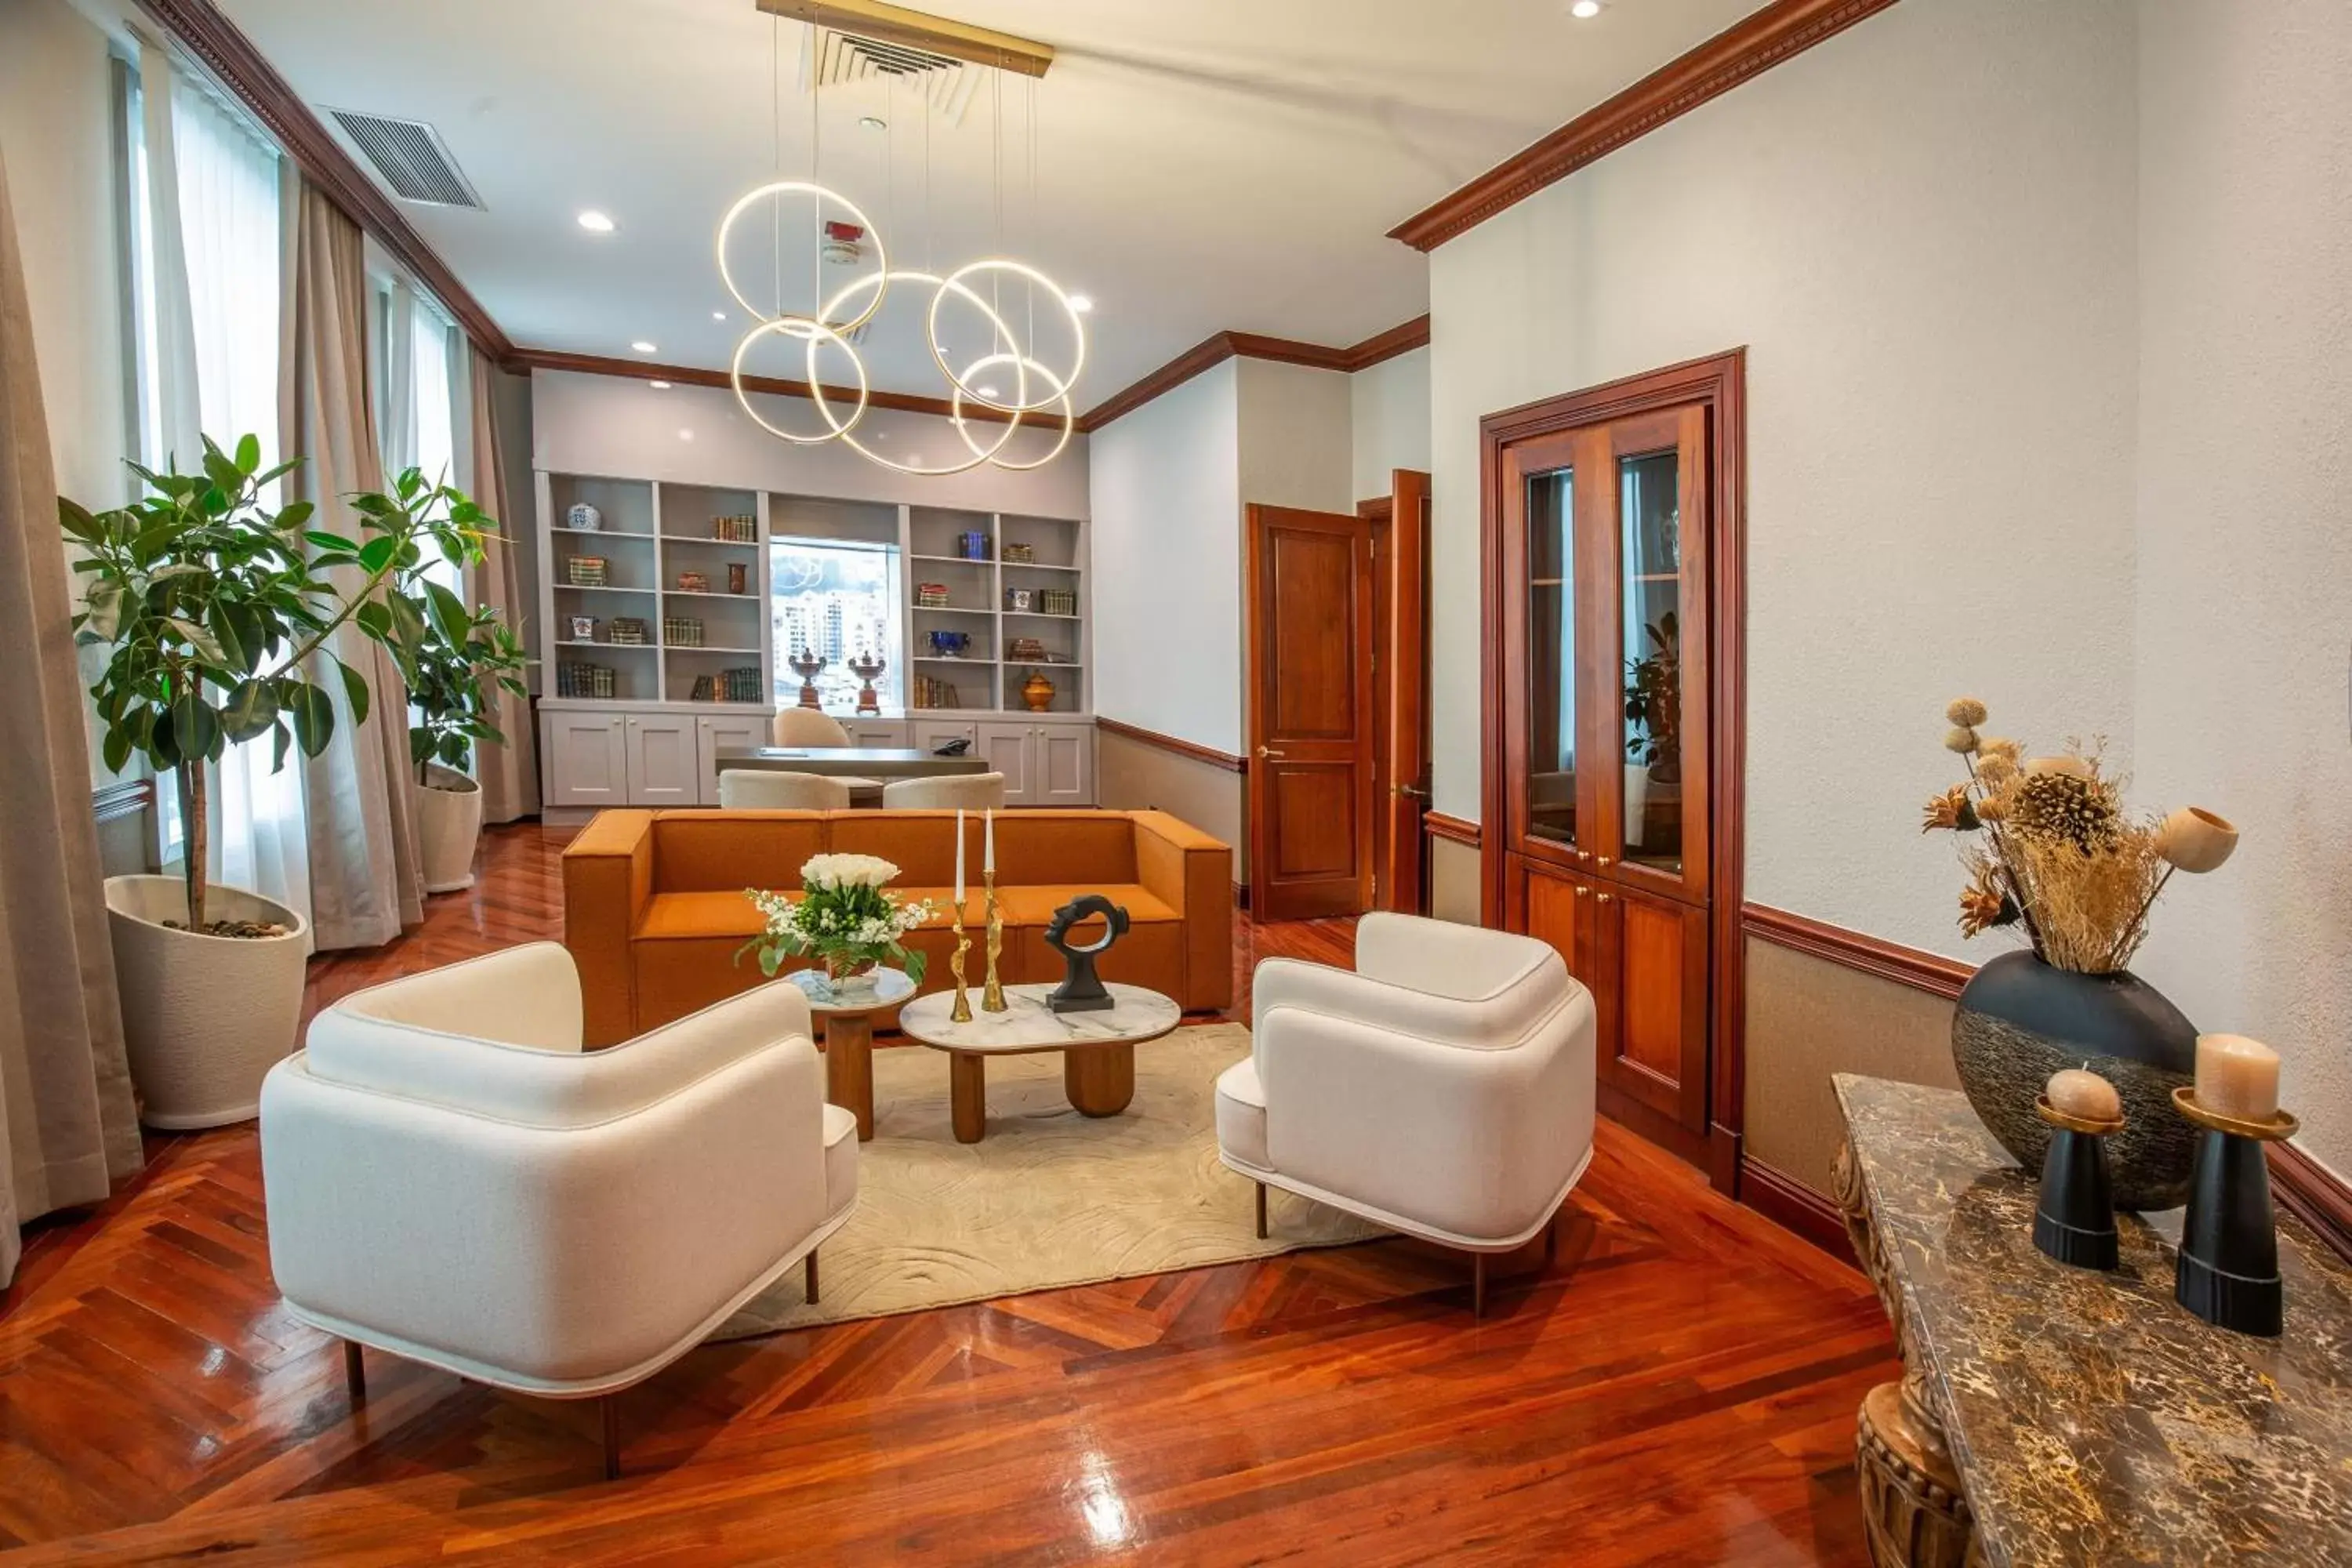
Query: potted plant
x,y
1654,707
2052,853
843,919
215,619
449,671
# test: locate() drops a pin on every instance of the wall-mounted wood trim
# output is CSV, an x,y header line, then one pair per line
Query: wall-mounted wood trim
x,y
1872,955
1209,754
842,398
1794,1206
2313,1194
1778,33
115,801
1219,347
225,51
1453,829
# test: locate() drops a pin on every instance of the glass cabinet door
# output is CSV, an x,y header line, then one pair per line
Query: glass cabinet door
x,y
1551,709
1650,655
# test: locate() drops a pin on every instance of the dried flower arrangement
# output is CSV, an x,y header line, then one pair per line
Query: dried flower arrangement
x,y
2055,852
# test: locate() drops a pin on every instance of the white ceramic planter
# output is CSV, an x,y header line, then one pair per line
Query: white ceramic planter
x,y
206,1017
448,823
1637,801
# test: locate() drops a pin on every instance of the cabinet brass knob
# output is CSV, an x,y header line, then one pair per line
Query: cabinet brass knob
x,y
1604,897
1605,860
1582,891
1584,854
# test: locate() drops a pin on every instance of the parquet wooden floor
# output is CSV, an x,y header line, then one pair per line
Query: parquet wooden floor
x,y
1679,1387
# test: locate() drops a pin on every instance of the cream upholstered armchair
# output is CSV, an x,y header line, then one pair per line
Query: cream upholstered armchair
x,y
758,789
1445,1087
450,1178
806,727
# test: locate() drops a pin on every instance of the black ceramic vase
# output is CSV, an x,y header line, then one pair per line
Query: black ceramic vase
x,y
2020,1020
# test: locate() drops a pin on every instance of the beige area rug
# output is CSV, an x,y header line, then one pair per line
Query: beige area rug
x,y
1049,1198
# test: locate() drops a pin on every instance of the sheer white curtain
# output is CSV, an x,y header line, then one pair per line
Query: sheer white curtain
x,y
212,296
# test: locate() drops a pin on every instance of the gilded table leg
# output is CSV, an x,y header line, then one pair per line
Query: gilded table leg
x,y
849,1066
1914,1514
1100,1079
968,1095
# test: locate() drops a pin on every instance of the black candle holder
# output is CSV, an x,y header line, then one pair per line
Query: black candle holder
x,y
2227,1273
2076,1220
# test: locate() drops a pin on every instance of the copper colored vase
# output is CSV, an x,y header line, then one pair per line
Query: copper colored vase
x,y
1038,692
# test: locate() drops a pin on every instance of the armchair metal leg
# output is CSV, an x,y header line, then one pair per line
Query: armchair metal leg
x,y
808,1277
354,1373
1478,1284
609,1406
1261,1211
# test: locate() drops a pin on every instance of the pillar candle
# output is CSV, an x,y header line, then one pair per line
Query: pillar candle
x,y
959,901
987,846
2237,1077
2078,1091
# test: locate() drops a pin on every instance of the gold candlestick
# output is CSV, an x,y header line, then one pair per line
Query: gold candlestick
x,y
992,995
961,1012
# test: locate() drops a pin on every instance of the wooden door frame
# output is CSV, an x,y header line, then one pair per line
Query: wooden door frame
x,y
1257,634
1718,385
1403,647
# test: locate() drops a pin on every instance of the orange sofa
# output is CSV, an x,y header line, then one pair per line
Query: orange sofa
x,y
654,909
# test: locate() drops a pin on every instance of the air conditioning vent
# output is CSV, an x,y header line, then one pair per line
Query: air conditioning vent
x,y
840,57
411,157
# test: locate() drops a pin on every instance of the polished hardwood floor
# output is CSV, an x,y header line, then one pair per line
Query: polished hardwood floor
x,y
1679,1386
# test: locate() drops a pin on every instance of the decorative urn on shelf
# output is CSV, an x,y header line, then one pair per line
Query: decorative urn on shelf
x,y
2051,851
1037,691
869,668
806,664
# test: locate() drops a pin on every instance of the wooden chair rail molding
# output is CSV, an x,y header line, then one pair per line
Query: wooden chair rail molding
x,y
2306,1189
1209,754
1219,347
1779,32
1453,829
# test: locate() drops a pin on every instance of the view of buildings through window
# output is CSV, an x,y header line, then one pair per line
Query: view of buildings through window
x,y
838,601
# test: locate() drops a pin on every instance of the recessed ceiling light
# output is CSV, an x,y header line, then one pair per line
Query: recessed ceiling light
x,y
873,122
595,221
658,385
717,315
686,435
643,347
1082,302
1585,10
985,391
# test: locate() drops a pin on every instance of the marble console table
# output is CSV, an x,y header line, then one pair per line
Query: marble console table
x,y
2055,1415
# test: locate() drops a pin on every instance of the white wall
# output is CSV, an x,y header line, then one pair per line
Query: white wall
x,y
1923,232
616,425
2245,520
1167,559
1296,436
1391,415
56,129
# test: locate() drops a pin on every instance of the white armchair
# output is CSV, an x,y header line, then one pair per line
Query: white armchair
x,y
1443,1088
450,1178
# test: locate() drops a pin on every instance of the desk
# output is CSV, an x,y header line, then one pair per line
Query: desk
x,y
2057,1415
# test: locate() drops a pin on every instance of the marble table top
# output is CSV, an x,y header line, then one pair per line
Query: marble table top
x,y
890,986
1028,1025
2094,1420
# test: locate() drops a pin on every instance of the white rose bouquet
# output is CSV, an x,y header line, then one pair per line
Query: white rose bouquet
x,y
843,917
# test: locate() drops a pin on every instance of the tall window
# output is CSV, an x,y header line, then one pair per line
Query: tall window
x,y
838,600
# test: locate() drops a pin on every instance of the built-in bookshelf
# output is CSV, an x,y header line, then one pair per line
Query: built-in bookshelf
x,y
988,600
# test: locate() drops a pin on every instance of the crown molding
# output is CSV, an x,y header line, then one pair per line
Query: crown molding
x,y
692,376
917,29
1219,347
1771,36
217,43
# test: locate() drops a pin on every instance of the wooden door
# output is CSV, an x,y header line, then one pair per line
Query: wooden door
x,y
1551,535
1311,724
1654,1043
1404,576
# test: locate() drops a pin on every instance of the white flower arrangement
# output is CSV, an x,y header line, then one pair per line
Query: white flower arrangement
x,y
843,917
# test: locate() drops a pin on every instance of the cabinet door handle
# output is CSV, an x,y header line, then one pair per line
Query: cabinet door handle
x,y
1270,752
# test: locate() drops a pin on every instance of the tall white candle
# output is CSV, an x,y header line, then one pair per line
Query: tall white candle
x,y
2237,1077
959,903
988,847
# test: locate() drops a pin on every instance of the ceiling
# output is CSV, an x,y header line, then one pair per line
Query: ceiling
x,y
1200,166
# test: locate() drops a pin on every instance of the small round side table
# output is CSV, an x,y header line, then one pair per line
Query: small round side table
x,y
846,1017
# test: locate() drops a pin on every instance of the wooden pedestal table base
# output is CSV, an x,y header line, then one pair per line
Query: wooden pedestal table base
x,y
845,1016
1097,1048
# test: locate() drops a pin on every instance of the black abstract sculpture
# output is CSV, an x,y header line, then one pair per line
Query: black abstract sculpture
x,y
1082,991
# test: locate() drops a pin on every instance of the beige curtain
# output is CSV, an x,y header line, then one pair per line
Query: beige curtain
x,y
508,774
366,879
67,1125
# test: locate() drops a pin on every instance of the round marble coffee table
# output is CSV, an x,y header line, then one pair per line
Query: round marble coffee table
x,y
1097,1048
846,1016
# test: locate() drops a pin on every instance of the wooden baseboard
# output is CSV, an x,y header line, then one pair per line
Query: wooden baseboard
x,y
1794,1206
2313,1194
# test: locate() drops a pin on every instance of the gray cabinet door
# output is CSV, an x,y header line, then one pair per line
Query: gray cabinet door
x,y
584,758
1011,750
665,760
1062,765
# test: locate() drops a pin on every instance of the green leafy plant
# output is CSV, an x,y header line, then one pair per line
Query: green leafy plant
x,y
212,604
1654,700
